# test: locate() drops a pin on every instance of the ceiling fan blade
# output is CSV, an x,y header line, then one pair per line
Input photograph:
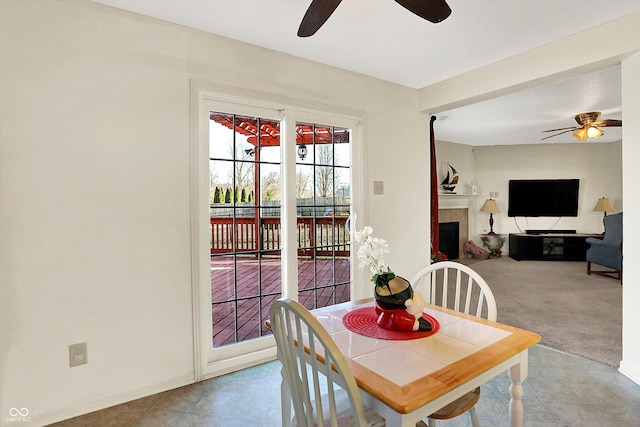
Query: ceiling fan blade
x,y
570,128
608,122
432,10
551,136
315,17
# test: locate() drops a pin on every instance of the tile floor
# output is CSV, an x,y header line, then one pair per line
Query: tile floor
x,y
561,390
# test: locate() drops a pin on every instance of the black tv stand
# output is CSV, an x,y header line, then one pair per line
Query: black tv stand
x,y
548,246
537,232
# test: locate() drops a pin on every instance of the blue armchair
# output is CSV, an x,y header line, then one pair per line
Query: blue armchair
x,y
607,251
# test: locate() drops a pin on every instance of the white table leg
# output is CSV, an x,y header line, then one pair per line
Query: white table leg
x,y
517,374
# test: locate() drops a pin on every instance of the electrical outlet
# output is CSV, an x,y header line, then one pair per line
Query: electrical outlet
x,y
77,354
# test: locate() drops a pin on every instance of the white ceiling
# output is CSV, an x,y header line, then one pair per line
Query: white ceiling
x,y
521,117
381,39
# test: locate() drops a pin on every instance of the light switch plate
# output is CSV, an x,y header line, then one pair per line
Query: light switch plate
x,y
378,187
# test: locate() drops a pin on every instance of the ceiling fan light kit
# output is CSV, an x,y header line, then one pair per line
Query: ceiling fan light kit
x,y
586,133
589,126
320,10
594,132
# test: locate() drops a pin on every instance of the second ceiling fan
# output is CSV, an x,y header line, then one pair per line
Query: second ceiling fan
x,y
589,126
320,10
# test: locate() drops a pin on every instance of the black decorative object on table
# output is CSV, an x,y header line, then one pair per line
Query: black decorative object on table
x,y
392,309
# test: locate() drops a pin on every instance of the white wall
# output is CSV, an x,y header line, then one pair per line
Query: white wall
x,y
95,208
598,166
630,364
94,181
461,157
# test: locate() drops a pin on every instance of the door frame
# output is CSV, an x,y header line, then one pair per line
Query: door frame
x,y
291,110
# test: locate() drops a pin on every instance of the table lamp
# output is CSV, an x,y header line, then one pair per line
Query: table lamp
x,y
491,207
604,205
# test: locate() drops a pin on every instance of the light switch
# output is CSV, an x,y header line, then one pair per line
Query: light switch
x,y
378,187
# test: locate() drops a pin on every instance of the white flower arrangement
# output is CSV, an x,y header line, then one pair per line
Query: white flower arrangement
x,y
371,252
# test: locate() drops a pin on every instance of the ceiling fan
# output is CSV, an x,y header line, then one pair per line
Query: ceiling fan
x,y
589,126
320,10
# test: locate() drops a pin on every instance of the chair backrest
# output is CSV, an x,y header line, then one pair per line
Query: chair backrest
x,y
313,365
456,286
613,230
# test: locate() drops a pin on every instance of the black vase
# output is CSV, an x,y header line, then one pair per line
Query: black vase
x,y
394,301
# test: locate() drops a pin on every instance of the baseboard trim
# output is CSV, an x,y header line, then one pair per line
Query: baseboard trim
x,y
630,372
98,404
226,366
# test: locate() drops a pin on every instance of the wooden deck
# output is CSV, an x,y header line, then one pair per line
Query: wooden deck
x,y
240,305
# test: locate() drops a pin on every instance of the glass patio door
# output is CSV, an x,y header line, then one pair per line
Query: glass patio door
x,y
245,227
323,202
278,197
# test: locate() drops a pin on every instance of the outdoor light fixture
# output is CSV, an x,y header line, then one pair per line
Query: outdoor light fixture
x,y
302,151
491,207
603,205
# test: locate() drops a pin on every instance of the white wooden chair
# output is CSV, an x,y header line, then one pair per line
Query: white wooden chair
x,y
320,384
456,286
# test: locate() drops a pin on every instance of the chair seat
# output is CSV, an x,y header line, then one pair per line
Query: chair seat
x,y
458,407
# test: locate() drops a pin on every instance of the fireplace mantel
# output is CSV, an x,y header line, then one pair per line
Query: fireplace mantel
x,y
457,201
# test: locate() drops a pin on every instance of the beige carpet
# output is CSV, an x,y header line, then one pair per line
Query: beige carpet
x,y
572,311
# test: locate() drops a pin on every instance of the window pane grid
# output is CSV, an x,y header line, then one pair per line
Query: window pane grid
x,y
323,206
245,209
245,225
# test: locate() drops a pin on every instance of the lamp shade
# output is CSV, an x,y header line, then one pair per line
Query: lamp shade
x,y
490,206
603,205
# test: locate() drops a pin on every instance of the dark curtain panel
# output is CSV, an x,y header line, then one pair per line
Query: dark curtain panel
x,y
435,234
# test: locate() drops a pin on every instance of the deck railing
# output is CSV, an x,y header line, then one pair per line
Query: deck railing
x,y
317,236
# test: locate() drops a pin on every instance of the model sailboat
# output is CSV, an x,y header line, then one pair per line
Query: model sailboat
x,y
451,180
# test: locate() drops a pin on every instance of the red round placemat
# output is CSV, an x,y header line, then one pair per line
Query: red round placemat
x,y
363,321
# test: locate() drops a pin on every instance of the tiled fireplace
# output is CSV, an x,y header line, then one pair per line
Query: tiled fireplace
x,y
456,208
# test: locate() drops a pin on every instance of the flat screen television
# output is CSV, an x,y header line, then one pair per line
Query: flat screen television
x,y
543,197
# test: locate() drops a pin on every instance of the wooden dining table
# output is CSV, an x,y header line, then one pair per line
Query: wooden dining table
x,y
407,380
